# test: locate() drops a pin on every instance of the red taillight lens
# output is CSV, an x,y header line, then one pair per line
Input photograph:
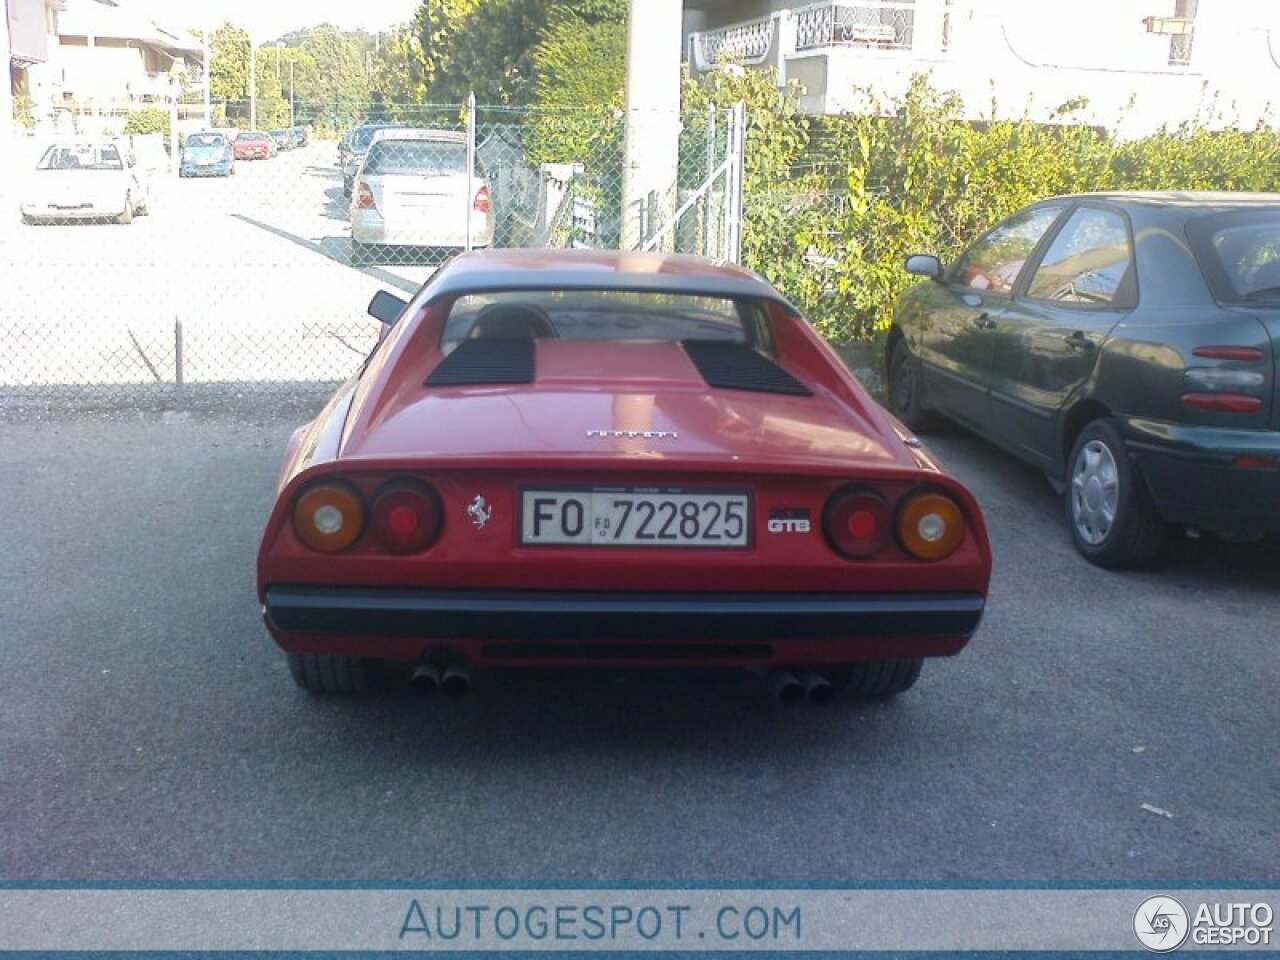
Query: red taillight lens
x,y
857,522
329,516
1222,402
364,198
407,516
1247,354
481,204
930,525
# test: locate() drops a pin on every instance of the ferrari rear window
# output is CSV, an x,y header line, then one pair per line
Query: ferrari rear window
x,y
604,315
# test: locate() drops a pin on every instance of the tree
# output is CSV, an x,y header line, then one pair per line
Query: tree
x,y
229,63
339,86
399,74
489,46
273,107
580,73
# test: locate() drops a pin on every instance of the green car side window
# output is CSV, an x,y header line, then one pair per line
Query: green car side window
x,y
993,263
1089,261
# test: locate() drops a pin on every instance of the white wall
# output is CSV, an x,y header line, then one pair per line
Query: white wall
x,y
1033,57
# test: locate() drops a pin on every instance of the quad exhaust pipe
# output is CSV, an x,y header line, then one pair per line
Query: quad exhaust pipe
x,y
456,681
789,689
452,681
425,680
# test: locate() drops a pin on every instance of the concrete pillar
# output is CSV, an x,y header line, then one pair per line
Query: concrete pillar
x,y
652,140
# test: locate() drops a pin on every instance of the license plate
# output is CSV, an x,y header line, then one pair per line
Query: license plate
x,y
635,518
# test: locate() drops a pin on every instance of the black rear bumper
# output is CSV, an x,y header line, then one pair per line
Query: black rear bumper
x,y
462,615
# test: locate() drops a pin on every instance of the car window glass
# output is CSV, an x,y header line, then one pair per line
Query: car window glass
x,y
82,156
1249,253
416,156
993,263
204,140
1088,262
604,315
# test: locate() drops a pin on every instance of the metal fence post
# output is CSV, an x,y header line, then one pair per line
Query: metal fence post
x,y
471,166
177,358
711,169
734,185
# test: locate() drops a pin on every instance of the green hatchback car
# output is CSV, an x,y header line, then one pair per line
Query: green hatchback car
x,y
1123,343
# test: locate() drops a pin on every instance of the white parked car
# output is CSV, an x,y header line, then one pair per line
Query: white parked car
x,y
412,190
84,180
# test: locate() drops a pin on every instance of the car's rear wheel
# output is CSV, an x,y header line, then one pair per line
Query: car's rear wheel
x,y
875,679
329,673
1112,519
906,395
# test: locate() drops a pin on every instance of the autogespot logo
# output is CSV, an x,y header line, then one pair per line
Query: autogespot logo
x,y
1161,924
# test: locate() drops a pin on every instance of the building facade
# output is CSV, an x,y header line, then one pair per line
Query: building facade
x,y
105,58
1136,65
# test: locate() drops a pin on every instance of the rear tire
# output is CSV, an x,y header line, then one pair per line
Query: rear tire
x,y
1112,520
875,679
330,674
906,390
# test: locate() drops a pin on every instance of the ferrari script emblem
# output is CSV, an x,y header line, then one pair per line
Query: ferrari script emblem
x,y
480,512
633,434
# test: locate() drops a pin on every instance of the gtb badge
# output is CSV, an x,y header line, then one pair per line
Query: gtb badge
x,y
789,520
480,512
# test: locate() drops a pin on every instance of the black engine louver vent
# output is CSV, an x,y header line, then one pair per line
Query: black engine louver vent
x,y
733,366
495,362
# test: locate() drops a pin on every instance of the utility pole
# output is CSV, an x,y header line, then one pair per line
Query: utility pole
x,y
253,85
291,121
279,44
652,140
208,107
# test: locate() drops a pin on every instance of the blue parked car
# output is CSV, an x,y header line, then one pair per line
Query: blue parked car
x,y
207,155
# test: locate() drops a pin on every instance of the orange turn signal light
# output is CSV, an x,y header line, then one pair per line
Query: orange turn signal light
x,y
329,516
930,525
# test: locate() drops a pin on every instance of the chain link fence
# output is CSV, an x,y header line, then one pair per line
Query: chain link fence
x,y
239,264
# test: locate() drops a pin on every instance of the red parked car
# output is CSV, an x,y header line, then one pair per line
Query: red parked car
x,y
578,457
253,145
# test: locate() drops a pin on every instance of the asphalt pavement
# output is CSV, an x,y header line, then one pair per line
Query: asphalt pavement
x,y
1100,726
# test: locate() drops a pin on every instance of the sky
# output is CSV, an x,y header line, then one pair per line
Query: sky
x,y
267,19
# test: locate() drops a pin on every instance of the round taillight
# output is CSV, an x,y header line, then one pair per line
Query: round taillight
x,y
407,516
329,516
856,522
930,525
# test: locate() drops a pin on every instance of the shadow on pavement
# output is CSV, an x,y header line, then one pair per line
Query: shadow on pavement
x,y
337,249
1187,561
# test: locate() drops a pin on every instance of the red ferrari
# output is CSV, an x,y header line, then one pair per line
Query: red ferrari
x,y
586,458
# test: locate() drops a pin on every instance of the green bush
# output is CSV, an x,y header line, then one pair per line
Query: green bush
x,y
833,205
24,111
148,120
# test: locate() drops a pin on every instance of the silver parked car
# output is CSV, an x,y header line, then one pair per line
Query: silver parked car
x,y
413,190
84,180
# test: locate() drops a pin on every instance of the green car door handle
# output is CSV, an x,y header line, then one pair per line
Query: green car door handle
x,y
983,321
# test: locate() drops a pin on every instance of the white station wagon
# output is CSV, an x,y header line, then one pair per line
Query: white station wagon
x,y
84,180
412,190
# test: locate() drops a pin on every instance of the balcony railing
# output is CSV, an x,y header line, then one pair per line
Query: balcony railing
x,y
880,24
745,43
